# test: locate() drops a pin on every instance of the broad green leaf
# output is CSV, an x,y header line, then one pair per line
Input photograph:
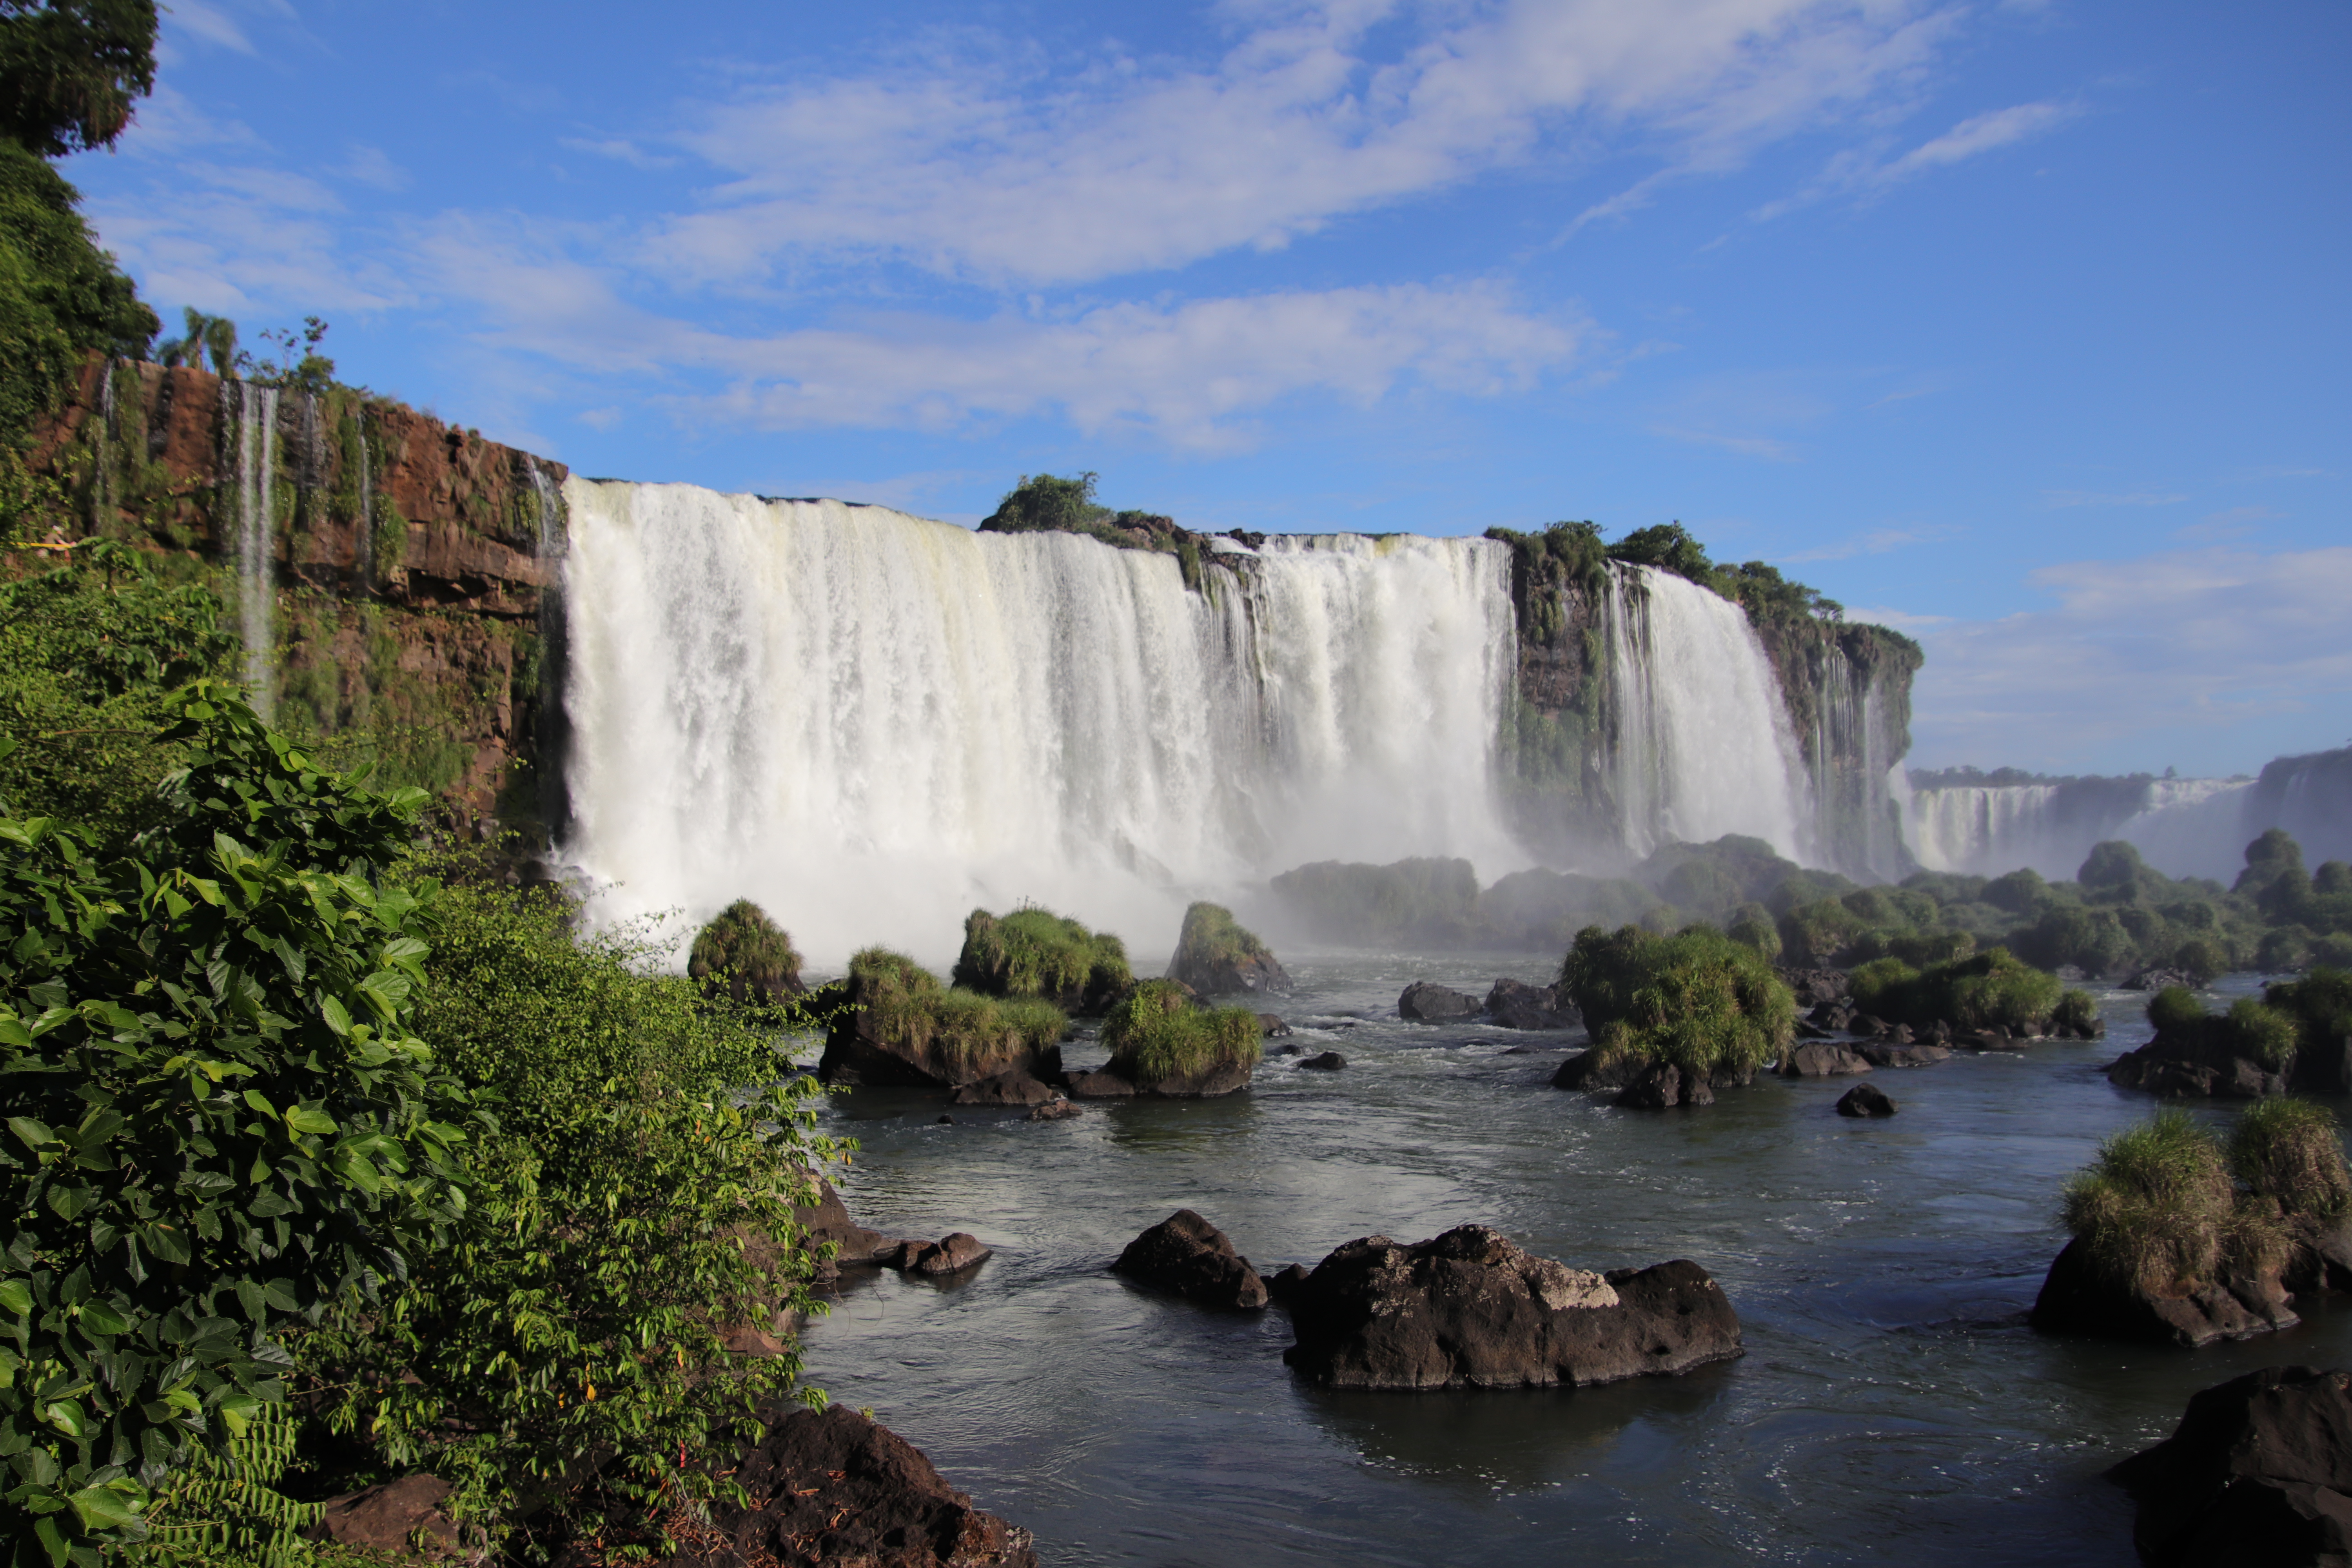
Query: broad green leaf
x,y
102,1318
34,1135
108,1507
338,1017
69,1417
309,1120
260,1102
15,1296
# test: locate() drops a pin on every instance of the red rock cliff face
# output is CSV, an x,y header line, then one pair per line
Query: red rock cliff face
x,y
409,558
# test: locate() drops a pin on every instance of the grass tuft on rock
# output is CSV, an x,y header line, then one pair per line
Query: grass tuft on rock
x,y
2288,1150
1974,992
2157,1209
1708,1004
746,954
1211,936
2258,1031
1157,1032
1036,953
909,1006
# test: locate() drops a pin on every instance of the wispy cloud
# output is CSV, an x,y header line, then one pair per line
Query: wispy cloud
x,y
1762,447
621,150
1878,542
1867,173
372,166
2108,498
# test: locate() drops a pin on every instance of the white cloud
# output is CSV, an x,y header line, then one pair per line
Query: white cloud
x,y
1867,173
1762,447
1102,173
210,23
2194,641
1878,542
2111,498
373,166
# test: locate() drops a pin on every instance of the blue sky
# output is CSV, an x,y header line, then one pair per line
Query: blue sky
x,y
2023,327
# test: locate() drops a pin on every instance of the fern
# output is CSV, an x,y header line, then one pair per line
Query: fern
x,y
227,1512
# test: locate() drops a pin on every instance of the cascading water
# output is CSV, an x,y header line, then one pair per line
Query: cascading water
x,y
363,539
869,722
2183,827
257,467
1701,744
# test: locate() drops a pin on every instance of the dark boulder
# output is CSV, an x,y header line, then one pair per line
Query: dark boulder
x,y
952,1254
1471,1307
1013,1087
1880,1055
1837,1016
1662,1086
1814,988
1599,1072
1188,1255
1098,1085
1274,1027
1283,1284
2257,1475
2160,979
1055,1110
829,1221
834,1488
1426,1003
1516,1005
1865,1099
2194,1067
1330,1061
2079,1297
1216,957
2322,1066
1817,1059
861,1048
390,1517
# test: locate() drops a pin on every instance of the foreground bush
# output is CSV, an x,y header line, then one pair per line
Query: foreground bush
x,y
1158,1032
1975,992
904,1004
1699,1000
744,953
2256,1030
1036,954
2157,1209
2289,1151
222,1122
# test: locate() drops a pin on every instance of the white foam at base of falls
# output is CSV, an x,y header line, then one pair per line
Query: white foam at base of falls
x,y
870,724
1703,746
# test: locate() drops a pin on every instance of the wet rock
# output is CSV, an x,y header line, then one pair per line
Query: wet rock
x,y
1662,1087
1516,1005
1098,1085
1330,1061
952,1254
1817,1059
1865,1100
1880,1055
858,1049
1598,1072
1013,1087
1471,1307
388,1516
1055,1110
2194,1068
829,1221
2259,1473
1838,1016
1282,1284
947,1121
836,1487
1274,1027
1814,988
1426,1003
2079,1297
1188,1255
2158,979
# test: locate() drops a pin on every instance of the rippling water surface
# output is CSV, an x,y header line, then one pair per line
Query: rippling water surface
x,y
1891,1402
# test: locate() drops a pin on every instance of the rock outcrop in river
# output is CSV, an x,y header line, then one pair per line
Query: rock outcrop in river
x,y
1473,1307
1187,1256
2258,1473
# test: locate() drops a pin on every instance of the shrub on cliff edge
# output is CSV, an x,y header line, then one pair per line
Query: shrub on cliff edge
x,y
2288,1150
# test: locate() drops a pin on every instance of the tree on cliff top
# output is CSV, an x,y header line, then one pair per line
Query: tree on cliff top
x,y
70,70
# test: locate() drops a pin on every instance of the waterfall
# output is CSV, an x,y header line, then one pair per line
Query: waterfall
x,y
1858,812
363,542
2183,827
869,722
1701,746
2194,828
257,467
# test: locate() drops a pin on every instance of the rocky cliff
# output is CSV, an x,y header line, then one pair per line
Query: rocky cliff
x,y
405,563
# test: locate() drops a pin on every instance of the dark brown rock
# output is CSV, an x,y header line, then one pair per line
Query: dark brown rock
x,y
836,1490
1330,1061
1470,1307
1098,1085
1188,1255
829,1221
2194,1069
952,1254
2079,1297
1818,1059
1879,1054
1283,1283
1598,1073
1662,1087
1425,1002
1055,1110
859,1051
1273,1027
2257,1475
1516,1005
1865,1100
387,1517
1010,1088
1815,988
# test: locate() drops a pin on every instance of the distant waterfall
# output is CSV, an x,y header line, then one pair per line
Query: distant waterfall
x,y
363,539
1701,744
2183,827
254,547
869,722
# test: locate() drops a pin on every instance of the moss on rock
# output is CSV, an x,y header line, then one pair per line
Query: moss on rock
x,y
1036,953
1217,956
898,1024
1698,1000
1159,1038
744,953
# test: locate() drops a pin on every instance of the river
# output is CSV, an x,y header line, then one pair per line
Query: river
x,y
1892,1402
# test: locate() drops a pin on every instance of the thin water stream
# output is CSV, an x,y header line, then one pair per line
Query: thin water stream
x,y
1891,1402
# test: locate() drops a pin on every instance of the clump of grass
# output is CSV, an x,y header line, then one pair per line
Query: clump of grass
x,y
1973,992
1033,952
907,1008
1156,1032
2288,1151
1709,1006
1213,936
2076,1011
746,954
2158,1210
2260,1031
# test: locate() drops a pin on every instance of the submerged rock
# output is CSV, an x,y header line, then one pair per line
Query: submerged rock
x,y
1599,1072
1425,1002
1516,1005
1274,1027
1818,1059
2160,979
1662,1087
952,1254
2259,1473
1879,1055
1865,1100
1013,1087
1330,1061
837,1487
1472,1307
1188,1255
2079,1297
1055,1110
2195,1068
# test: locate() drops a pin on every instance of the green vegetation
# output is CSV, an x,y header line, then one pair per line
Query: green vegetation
x,y
1697,999
744,953
2157,1209
906,1005
1420,902
2289,1151
1049,504
1211,937
314,1165
1034,954
1972,993
2266,1032
70,70
1157,1033
60,296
